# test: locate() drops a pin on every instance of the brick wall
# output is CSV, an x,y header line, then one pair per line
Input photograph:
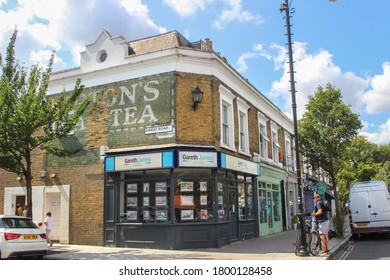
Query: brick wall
x,y
85,173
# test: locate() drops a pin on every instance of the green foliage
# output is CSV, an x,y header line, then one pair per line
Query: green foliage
x,y
358,164
28,118
383,173
325,131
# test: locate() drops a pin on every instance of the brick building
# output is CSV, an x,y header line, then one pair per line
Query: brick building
x,y
157,169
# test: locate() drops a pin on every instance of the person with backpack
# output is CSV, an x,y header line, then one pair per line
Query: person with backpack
x,y
323,222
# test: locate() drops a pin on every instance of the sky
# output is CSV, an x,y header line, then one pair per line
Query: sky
x,y
345,43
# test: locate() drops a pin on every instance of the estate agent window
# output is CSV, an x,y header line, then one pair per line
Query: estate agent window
x,y
193,200
146,197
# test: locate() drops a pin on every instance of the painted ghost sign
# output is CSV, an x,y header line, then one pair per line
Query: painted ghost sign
x,y
138,111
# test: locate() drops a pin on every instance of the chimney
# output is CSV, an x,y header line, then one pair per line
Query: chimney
x,y
209,43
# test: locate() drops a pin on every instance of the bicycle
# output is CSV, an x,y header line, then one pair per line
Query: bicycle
x,y
297,243
315,245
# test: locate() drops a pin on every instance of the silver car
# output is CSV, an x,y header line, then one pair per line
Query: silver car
x,y
20,237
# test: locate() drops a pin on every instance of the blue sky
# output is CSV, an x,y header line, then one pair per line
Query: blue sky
x,y
345,43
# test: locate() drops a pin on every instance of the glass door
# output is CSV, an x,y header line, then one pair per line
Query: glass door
x,y
233,214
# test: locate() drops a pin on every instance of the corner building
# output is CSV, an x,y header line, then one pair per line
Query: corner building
x,y
157,169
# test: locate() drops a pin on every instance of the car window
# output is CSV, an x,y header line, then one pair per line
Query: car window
x,y
18,223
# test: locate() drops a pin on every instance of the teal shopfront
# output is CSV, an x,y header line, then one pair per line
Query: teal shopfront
x,y
270,196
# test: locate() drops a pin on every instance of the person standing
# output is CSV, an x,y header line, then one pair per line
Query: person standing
x,y
323,222
49,224
25,209
19,210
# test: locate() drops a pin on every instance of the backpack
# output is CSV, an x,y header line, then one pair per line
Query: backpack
x,y
326,205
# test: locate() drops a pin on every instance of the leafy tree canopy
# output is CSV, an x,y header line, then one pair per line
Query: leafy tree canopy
x,y
326,129
28,118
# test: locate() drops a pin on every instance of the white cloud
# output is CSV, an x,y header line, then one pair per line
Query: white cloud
x,y
70,24
42,57
275,53
241,62
313,70
187,7
235,12
378,98
381,136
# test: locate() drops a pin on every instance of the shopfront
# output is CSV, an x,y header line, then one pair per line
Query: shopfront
x,y
179,198
270,200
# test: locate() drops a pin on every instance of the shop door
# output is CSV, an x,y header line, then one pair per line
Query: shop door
x,y
266,224
269,211
233,214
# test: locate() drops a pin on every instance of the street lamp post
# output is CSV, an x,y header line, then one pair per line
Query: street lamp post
x,y
303,247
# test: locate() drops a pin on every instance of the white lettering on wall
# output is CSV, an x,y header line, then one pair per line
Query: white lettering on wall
x,y
155,91
129,104
148,113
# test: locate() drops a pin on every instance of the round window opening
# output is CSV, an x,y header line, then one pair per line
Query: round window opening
x,y
102,56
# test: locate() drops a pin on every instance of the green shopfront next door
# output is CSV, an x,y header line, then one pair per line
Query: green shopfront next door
x,y
270,206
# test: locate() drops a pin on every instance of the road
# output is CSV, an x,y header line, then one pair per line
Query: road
x,y
367,247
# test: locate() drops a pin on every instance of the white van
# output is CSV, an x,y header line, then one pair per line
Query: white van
x,y
369,207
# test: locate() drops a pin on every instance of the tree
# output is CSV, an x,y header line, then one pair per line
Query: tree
x,y
325,131
30,120
358,164
383,173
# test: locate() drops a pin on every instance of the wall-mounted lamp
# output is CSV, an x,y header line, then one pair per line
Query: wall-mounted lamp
x,y
53,175
42,174
19,178
197,96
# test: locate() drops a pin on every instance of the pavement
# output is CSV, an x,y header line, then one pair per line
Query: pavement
x,y
278,246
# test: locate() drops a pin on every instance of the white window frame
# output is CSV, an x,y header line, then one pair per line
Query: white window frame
x,y
243,139
226,100
289,157
275,142
263,138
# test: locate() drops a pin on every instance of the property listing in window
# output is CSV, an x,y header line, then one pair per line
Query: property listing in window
x,y
193,199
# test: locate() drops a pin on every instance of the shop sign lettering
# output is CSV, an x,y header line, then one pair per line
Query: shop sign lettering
x,y
203,159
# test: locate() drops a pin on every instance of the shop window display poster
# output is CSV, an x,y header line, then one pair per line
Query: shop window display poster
x,y
186,186
132,201
161,200
203,214
187,215
132,215
203,186
146,187
132,188
187,200
161,186
161,215
146,214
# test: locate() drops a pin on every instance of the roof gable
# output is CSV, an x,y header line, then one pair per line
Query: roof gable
x,y
106,51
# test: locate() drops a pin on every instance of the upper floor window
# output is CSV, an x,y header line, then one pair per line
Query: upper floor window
x,y
227,119
289,154
225,124
243,126
275,142
263,138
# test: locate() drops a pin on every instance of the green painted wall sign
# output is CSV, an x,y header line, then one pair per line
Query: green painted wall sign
x,y
135,112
